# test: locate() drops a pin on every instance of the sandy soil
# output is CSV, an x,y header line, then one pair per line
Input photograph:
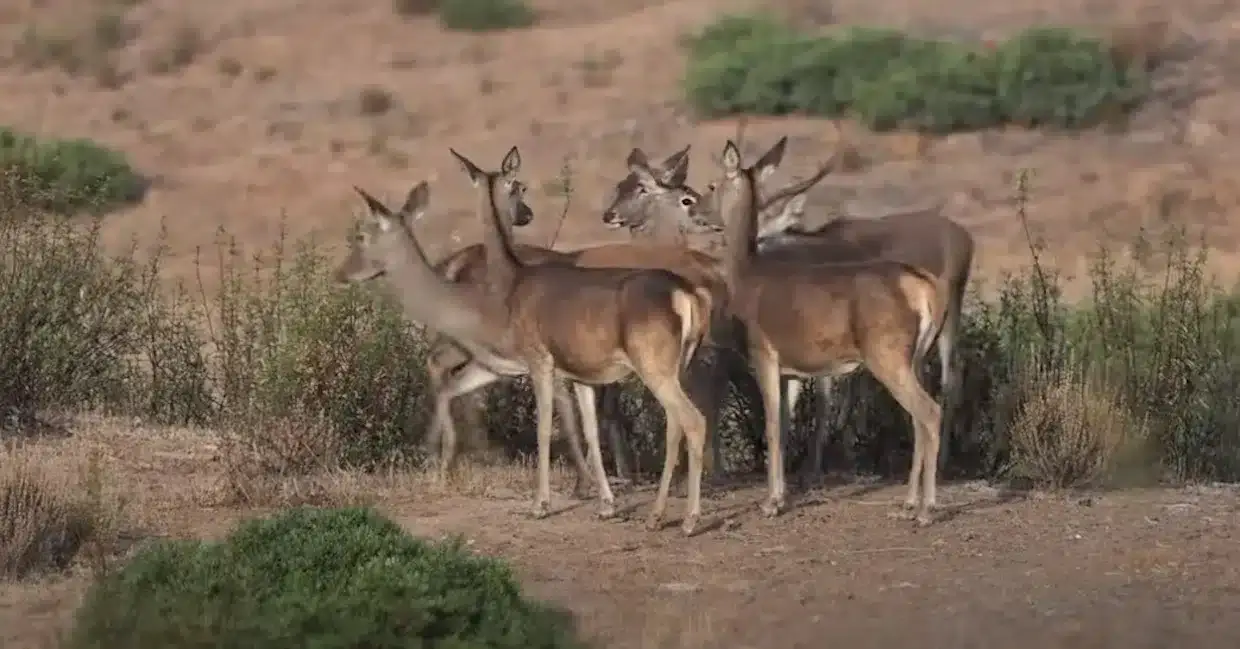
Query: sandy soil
x,y
1137,568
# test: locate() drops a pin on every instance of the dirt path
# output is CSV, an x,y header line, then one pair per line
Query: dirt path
x,y
1133,569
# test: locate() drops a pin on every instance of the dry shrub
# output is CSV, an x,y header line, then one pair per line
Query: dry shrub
x,y
1070,431
45,523
283,462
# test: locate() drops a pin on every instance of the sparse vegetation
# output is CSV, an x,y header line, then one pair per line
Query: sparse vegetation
x,y
374,100
86,48
182,49
410,8
349,576
1043,76
485,15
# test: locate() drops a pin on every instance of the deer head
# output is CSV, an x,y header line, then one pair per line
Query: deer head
x,y
384,237
640,200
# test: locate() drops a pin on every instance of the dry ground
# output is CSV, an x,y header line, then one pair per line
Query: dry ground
x,y
1134,569
246,111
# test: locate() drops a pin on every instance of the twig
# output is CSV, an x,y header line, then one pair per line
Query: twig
x,y
566,185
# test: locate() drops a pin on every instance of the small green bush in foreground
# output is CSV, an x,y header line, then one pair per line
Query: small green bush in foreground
x,y
326,579
1044,76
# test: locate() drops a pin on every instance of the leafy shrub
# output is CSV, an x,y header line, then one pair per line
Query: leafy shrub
x,y
291,344
321,578
65,176
1040,77
73,315
485,15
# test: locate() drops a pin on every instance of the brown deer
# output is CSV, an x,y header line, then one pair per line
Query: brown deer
x,y
468,265
707,378
592,326
808,318
923,237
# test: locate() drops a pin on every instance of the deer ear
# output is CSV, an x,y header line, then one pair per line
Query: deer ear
x,y
512,162
637,157
378,211
645,177
731,159
415,203
771,160
676,168
475,174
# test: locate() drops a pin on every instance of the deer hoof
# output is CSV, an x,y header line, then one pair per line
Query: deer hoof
x,y
541,509
607,510
923,518
772,507
689,526
654,522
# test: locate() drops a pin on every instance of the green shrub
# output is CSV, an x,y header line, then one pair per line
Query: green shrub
x,y
291,344
65,176
886,79
74,316
485,15
316,578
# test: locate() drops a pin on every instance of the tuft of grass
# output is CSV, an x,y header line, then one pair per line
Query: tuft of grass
x,y
46,524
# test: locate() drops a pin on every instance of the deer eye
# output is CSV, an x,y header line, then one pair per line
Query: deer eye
x,y
687,201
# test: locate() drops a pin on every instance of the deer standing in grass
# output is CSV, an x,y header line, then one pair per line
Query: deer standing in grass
x,y
922,237
705,384
807,319
592,326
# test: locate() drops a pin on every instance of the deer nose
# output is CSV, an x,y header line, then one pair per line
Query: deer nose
x,y
611,217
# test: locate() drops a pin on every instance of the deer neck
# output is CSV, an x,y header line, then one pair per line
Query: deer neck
x,y
502,262
741,229
448,308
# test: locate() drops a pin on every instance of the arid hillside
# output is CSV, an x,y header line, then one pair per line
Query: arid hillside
x,y
245,113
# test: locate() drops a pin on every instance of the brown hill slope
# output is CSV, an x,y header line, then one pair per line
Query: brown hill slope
x,y
244,111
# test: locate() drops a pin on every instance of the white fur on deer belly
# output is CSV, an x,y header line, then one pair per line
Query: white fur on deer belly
x,y
843,369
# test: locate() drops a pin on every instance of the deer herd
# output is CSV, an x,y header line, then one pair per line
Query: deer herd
x,y
785,302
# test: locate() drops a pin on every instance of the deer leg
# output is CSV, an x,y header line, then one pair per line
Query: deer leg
x,y
822,431
466,379
949,378
683,420
766,366
589,425
671,455
899,376
609,417
544,382
791,394
708,388
568,426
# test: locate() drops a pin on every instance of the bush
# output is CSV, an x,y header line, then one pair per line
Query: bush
x,y
323,578
290,344
485,15
1041,77
74,317
65,176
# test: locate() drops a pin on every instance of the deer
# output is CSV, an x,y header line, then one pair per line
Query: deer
x,y
707,383
550,320
444,357
922,236
809,318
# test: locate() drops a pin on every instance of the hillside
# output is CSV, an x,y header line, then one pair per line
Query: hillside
x,y
244,113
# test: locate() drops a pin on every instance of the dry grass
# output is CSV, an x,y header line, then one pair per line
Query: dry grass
x,y
47,521
1072,431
